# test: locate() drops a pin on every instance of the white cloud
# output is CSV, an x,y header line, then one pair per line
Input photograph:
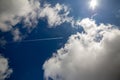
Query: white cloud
x,y
5,71
93,55
11,12
29,12
16,35
55,15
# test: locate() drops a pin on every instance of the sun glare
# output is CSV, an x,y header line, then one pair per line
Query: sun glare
x,y
93,4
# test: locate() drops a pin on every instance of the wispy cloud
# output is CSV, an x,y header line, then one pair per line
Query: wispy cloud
x,y
55,15
29,12
16,35
5,71
12,11
91,55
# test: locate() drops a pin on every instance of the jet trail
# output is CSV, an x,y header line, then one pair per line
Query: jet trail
x,y
44,39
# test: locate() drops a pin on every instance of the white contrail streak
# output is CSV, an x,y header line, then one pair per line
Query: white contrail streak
x,y
44,39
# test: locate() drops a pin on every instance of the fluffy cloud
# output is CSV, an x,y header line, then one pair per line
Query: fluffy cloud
x,y
5,71
91,55
11,12
29,12
53,14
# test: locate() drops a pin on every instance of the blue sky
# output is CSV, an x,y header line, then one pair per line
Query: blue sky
x,y
57,59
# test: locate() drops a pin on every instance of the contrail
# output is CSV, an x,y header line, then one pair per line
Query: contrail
x,y
92,17
44,39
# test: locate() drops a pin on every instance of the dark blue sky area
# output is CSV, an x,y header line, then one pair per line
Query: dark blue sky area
x,y
27,58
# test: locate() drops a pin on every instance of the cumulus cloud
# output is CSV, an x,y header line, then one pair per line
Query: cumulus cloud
x,y
55,15
5,71
28,12
11,12
91,55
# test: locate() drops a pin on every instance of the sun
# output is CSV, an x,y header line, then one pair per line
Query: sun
x,y
93,4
